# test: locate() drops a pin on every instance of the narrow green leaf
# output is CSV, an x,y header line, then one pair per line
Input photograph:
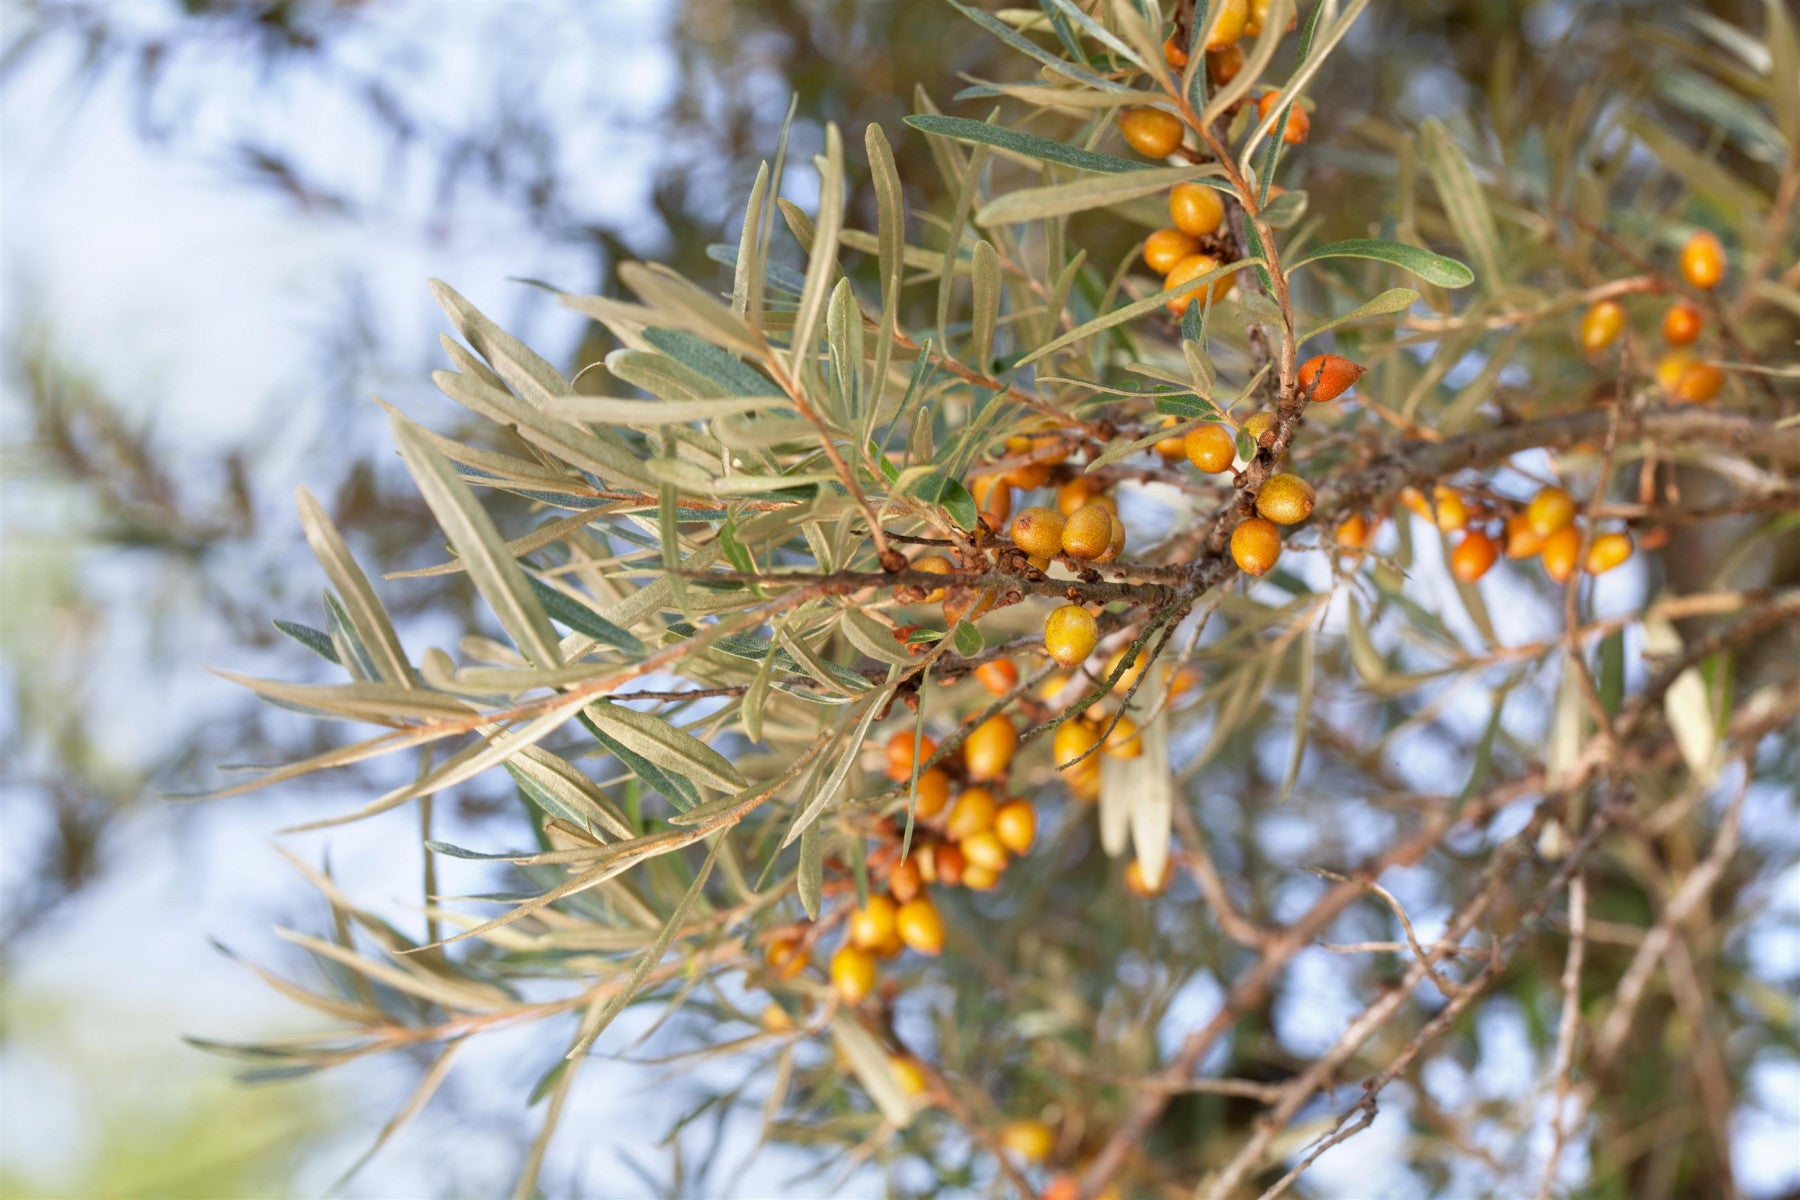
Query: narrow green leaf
x,y
810,881
1032,204
821,262
666,746
1391,301
1432,268
315,640
1026,145
1464,202
1137,309
367,617
560,606
985,313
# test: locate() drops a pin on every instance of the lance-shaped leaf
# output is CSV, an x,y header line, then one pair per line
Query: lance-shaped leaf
x,y
1024,145
366,615
1432,268
1031,204
668,747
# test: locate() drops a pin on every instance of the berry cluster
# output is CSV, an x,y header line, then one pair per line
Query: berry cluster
x,y
1681,373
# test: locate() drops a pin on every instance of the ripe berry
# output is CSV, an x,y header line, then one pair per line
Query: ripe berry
x,y
1071,740
1038,531
1166,247
1123,741
1233,15
1449,511
1031,1140
972,813
1087,532
1190,268
1210,447
852,973
1699,383
786,957
1070,634
1137,885
949,863
1353,532
908,1074
1152,132
1197,211
1522,541
1173,447
934,564
1703,261
1285,499
1562,549
1259,16
1473,556
1327,376
985,851
1131,673
872,925
1174,54
989,749
905,881
1015,824
1261,428
1078,491
1606,552
993,496
980,879
968,604
920,926
1115,545
1222,66
999,676
900,754
1601,325
1550,510
1255,545
1682,324
934,793
775,1019
1298,123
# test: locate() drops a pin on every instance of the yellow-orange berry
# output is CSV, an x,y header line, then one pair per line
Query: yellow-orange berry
x,y
1197,211
972,813
968,604
947,863
1550,510
1601,325
1174,446
1682,324
985,851
1327,376
1522,541
1137,885
1255,545
1131,673
1071,740
786,957
1222,66
1606,552
1228,25
1298,123
1038,531
920,926
1562,549
1285,499
1353,532
1699,383
934,564
1210,447
1123,741
1190,268
989,749
900,756
934,793
980,879
872,925
1448,509
1078,491
1087,532
1261,427
999,676
1070,634
1174,54
908,1074
904,880
1115,545
1259,16
993,496
1015,824
1473,556
852,973
1703,261
1152,132
1166,247
776,1019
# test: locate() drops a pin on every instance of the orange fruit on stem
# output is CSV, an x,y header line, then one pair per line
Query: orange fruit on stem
x,y
905,881
786,957
1174,54
1606,552
1087,532
1031,1140
1682,324
1038,531
989,749
1255,545
972,813
1561,552
934,564
1196,210
1473,556
993,496
999,676
1327,376
1191,268
1550,510
1015,824
1699,383
872,925
1353,532
1211,447
920,926
1261,428
1601,325
1152,132
1285,499
985,851
1448,510
1522,541
1298,123
1070,634
1078,491
1703,261
1222,66
900,754
1123,741
1228,24
1166,247
934,793
852,973
1072,739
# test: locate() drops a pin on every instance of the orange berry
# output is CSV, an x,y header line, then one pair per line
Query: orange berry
x,y
1166,247
989,749
900,757
1298,123
1353,532
786,957
993,496
775,1019
1174,54
1327,376
1031,1140
1473,556
852,973
1550,510
905,881
1070,634
1682,324
1173,447
1152,132
934,564
920,926
1703,261
1015,824
1261,427
1038,531
1071,740
1285,499
1123,741
1115,545
1562,548
1078,491
1087,532
985,851
1522,541
1601,325
972,813
1197,211
1222,66
1137,885
968,604
934,793
1259,16
1190,268
1606,552
1449,511
908,1074
980,879
1131,673
1210,447
1699,383
1229,24
950,865
872,925
999,676
1255,545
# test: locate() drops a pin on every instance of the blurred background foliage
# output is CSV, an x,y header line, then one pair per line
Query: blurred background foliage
x,y
551,139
